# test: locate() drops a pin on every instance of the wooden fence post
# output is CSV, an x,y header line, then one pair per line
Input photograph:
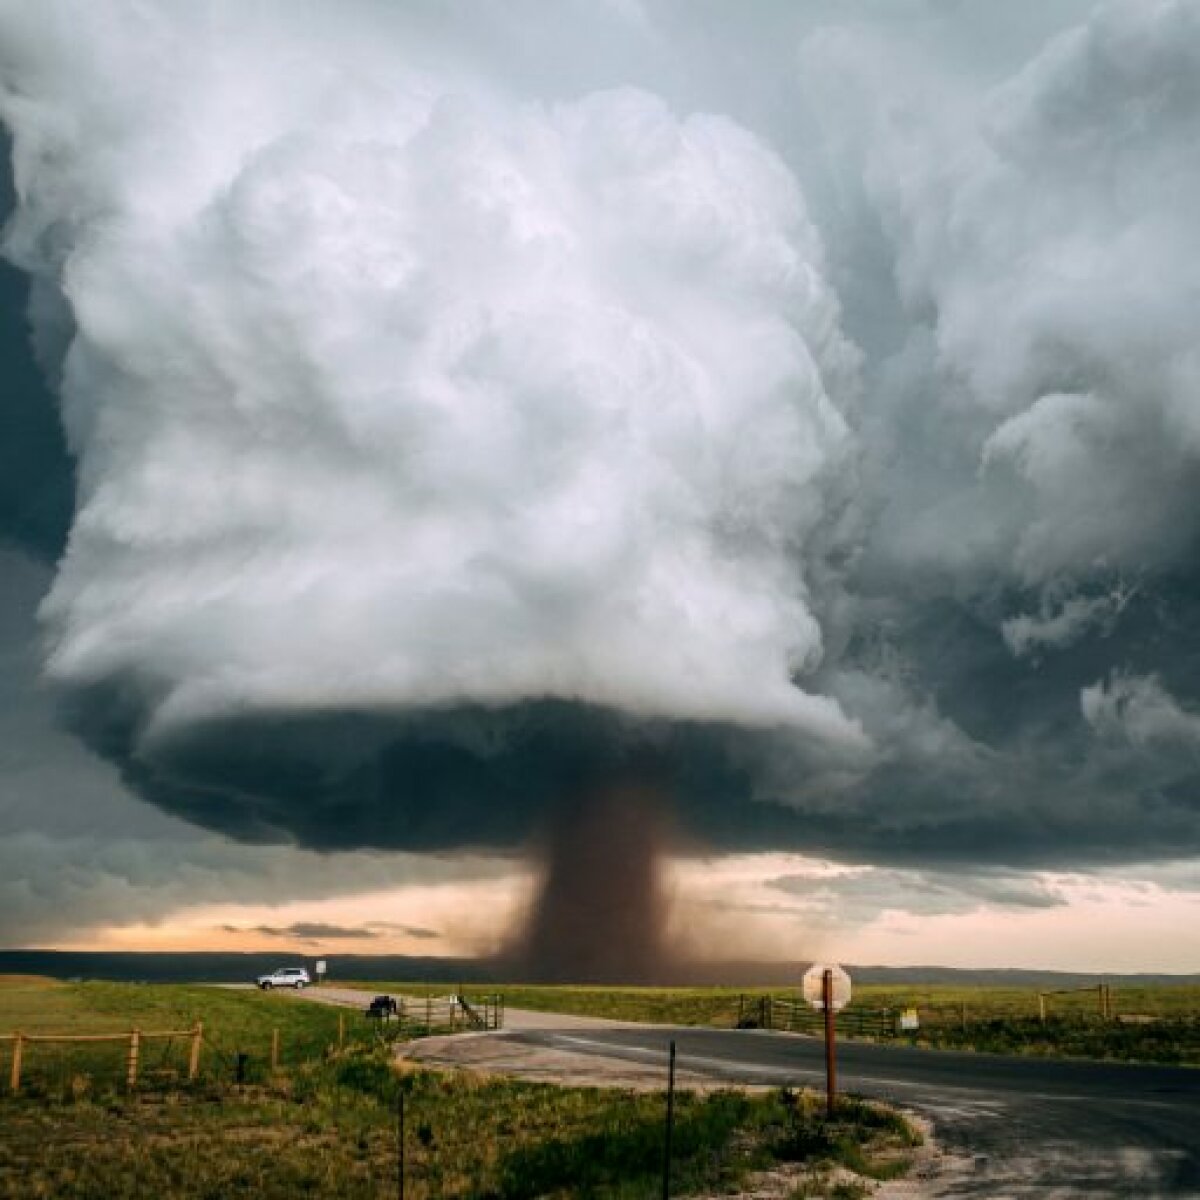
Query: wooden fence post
x,y
1042,1006
18,1045
135,1041
275,1049
194,1057
341,1030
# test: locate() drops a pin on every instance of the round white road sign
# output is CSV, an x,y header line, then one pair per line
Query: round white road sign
x,y
814,986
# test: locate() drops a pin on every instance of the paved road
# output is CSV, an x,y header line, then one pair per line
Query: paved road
x,y
1026,1127
1016,1127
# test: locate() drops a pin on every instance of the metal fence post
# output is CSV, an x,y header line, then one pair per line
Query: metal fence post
x,y
666,1178
400,1143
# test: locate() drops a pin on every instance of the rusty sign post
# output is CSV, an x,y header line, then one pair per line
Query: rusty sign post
x,y
827,988
830,1049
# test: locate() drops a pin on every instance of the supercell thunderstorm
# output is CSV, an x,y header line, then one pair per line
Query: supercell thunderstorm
x,y
807,407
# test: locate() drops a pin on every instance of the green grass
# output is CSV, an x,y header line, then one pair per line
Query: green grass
x,y
662,1006
235,1023
1161,1000
326,1122
1153,1024
330,1129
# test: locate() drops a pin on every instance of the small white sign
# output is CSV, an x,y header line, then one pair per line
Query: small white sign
x,y
814,986
909,1019
320,966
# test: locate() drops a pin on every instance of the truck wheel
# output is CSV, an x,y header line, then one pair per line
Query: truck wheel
x,y
266,987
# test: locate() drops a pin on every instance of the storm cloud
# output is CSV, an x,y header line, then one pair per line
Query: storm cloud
x,y
807,405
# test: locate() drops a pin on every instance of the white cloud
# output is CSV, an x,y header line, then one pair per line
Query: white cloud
x,y
1056,626
426,396
1139,710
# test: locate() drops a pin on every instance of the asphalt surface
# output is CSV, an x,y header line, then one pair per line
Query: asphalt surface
x,y
1012,1127
1015,1127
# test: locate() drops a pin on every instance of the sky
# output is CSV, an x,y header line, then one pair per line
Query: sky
x,y
418,423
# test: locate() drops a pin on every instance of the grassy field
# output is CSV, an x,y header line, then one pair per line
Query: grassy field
x,y
1161,1000
326,1121
664,1006
235,1023
1150,1024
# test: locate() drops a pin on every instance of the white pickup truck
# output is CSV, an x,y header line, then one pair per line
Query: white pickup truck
x,y
293,977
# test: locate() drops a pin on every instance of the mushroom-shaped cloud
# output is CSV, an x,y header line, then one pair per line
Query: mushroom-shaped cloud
x,y
437,452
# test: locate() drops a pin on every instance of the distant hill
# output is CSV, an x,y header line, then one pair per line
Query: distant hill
x,y
1008,977
230,967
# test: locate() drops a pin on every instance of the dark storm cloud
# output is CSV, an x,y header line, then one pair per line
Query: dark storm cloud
x,y
832,461
36,474
466,777
859,897
412,931
77,850
313,931
320,931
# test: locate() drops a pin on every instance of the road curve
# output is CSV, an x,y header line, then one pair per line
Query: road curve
x,y
1017,1127
1026,1126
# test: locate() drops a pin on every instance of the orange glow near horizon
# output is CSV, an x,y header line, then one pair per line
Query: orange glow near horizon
x,y
721,909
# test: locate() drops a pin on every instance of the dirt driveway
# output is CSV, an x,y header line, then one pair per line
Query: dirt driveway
x,y
494,1054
